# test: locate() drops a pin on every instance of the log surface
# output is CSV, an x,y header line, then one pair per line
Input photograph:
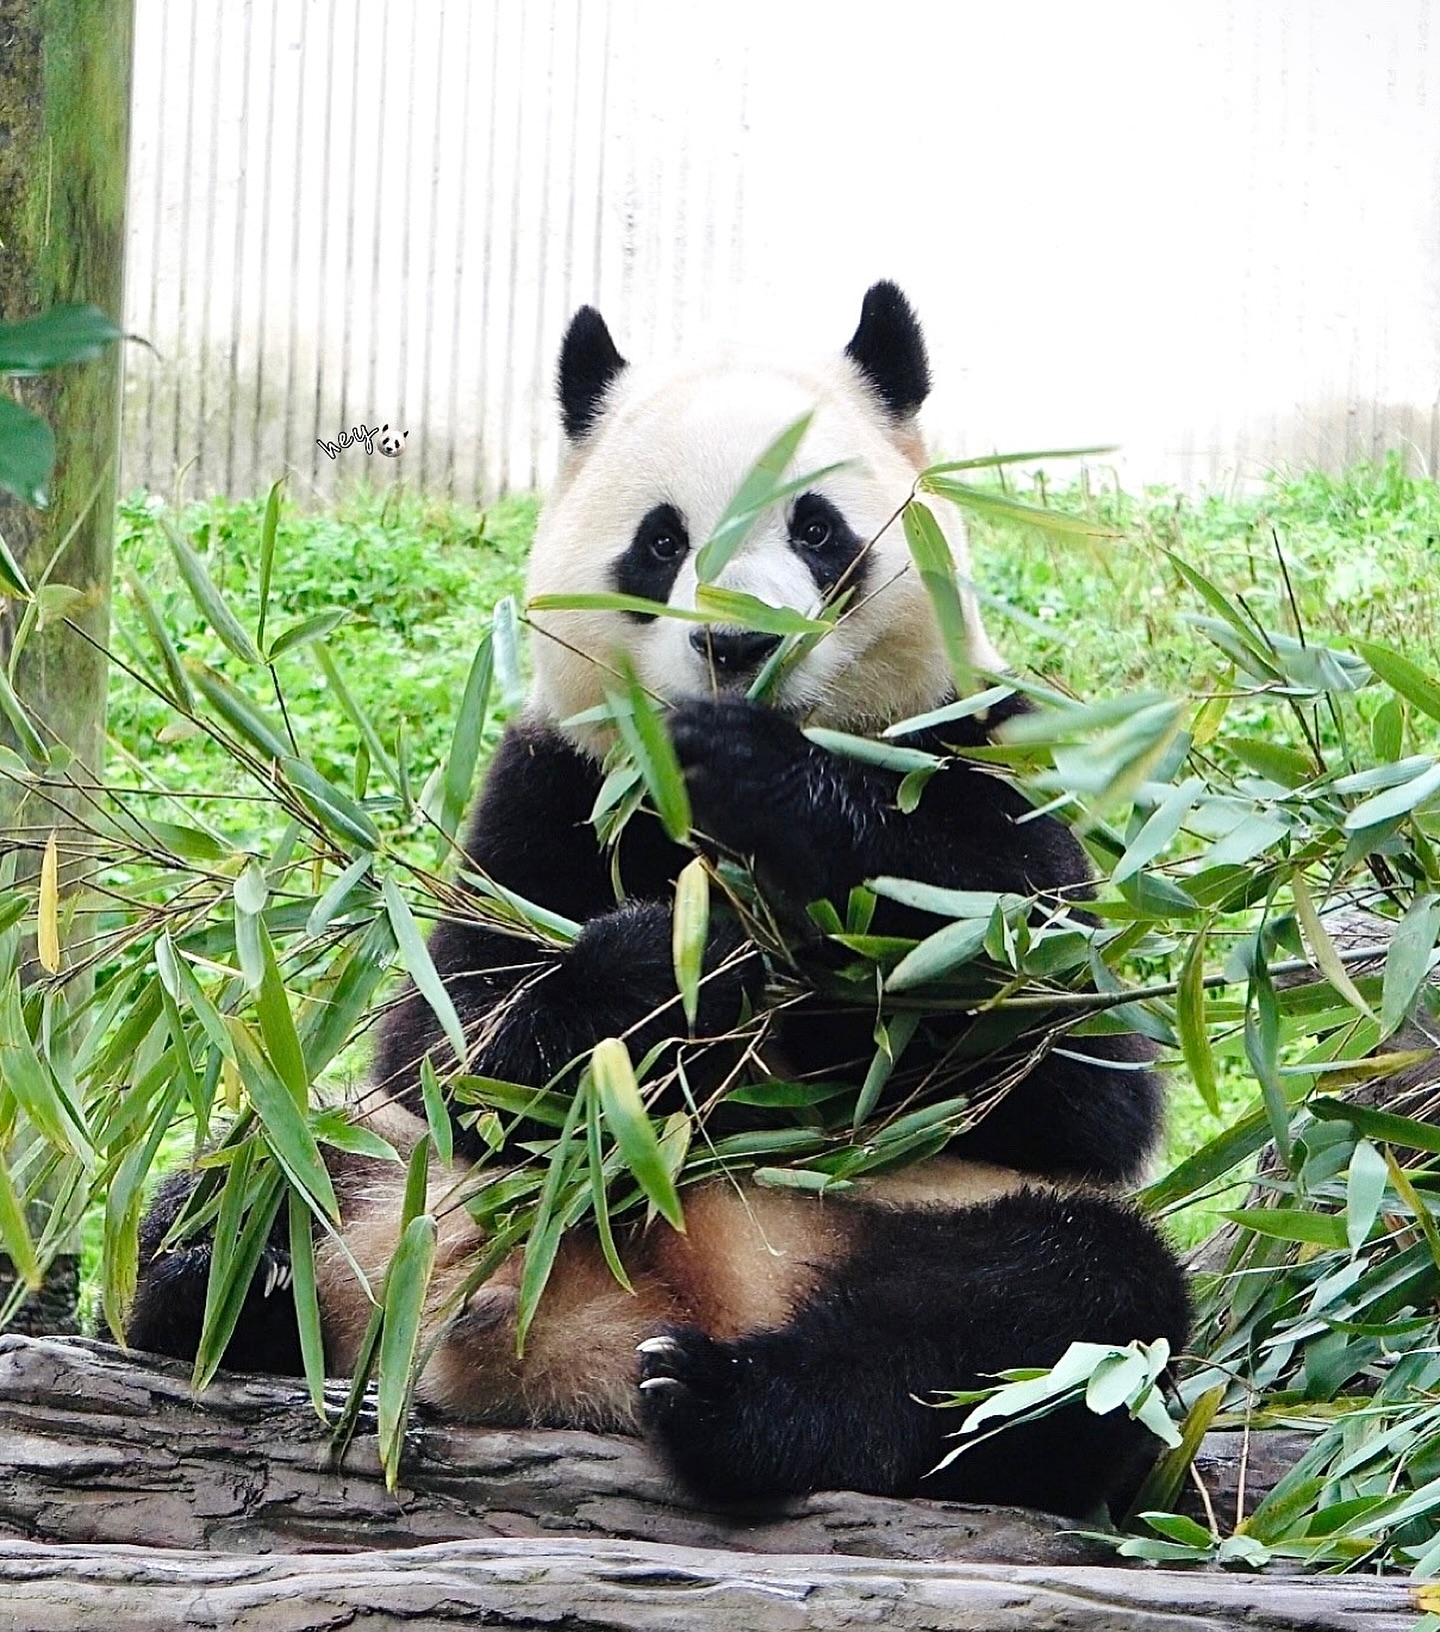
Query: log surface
x,y
97,1448
578,1586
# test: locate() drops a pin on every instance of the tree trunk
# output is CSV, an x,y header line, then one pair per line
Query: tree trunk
x,y
578,1586
64,142
110,1466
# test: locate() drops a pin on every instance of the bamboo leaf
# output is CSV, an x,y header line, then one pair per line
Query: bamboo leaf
x,y
599,1202
307,1301
1364,1191
735,607
209,599
32,1082
268,528
459,773
13,581
232,1268
238,712
277,1025
27,738
406,1285
287,1132
1385,807
690,930
251,892
415,955
631,1128
505,638
755,493
930,551
990,461
888,755
437,1113
1322,948
647,739
1400,674
304,632
334,808
1291,1224
355,713
938,954
47,923
996,507
608,601
328,907
1163,823
180,691
15,1234
1408,961
1190,1019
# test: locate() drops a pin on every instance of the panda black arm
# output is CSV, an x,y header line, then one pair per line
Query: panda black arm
x,y
817,824
527,1010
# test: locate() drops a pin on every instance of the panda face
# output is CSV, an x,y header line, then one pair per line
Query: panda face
x,y
656,457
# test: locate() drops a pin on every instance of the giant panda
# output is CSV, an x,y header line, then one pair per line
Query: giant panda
x,y
786,1342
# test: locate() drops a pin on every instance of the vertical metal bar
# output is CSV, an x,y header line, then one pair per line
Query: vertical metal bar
x,y
293,293
262,290
353,150
323,258
436,159
202,427
180,361
456,361
232,407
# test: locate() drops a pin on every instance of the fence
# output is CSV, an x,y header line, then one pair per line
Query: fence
x,y
1209,232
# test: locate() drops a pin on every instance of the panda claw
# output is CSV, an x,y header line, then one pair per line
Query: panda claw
x,y
670,1383
658,1345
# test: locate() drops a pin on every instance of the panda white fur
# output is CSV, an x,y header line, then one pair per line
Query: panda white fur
x,y
786,1342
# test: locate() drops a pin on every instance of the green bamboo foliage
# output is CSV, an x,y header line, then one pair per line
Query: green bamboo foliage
x,y
238,950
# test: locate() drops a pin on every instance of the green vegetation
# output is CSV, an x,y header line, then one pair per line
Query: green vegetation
x,y
1257,748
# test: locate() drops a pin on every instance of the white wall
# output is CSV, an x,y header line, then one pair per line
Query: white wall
x,y
1209,231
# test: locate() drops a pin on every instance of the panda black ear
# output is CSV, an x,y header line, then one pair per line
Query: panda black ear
x,y
588,363
889,350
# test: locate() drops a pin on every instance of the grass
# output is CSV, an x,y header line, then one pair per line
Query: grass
x,y
1101,617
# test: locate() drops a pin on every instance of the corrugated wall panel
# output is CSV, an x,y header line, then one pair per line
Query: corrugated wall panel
x,y
1211,232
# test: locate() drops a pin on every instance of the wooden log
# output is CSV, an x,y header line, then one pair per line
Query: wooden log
x,y
96,1448
638,1587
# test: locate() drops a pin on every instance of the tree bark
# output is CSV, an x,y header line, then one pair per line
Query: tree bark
x,y
635,1587
111,1466
99,1449
64,147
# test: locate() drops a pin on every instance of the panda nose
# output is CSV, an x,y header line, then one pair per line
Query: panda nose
x,y
733,651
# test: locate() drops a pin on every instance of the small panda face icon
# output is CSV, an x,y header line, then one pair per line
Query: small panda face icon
x,y
391,443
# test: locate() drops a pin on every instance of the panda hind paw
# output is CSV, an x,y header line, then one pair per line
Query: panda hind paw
x,y
683,1371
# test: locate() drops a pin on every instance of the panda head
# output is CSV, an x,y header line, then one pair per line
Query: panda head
x,y
654,456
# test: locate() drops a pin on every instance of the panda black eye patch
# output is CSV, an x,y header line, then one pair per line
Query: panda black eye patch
x,y
826,542
651,563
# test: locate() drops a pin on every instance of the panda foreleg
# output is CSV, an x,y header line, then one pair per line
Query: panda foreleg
x,y
527,1021
167,1312
928,1301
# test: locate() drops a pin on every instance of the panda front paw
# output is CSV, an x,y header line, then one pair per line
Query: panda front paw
x,y
746,768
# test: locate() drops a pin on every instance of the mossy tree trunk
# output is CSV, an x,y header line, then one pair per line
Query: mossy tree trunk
x,y
64,134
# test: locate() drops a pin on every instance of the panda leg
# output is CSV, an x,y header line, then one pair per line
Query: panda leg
x,y
928,1301
168,1310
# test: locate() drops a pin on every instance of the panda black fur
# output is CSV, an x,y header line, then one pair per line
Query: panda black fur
x,y
784,1342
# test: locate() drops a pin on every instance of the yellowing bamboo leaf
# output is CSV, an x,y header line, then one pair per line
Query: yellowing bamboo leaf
x,y
690,930
47,930
1322,948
